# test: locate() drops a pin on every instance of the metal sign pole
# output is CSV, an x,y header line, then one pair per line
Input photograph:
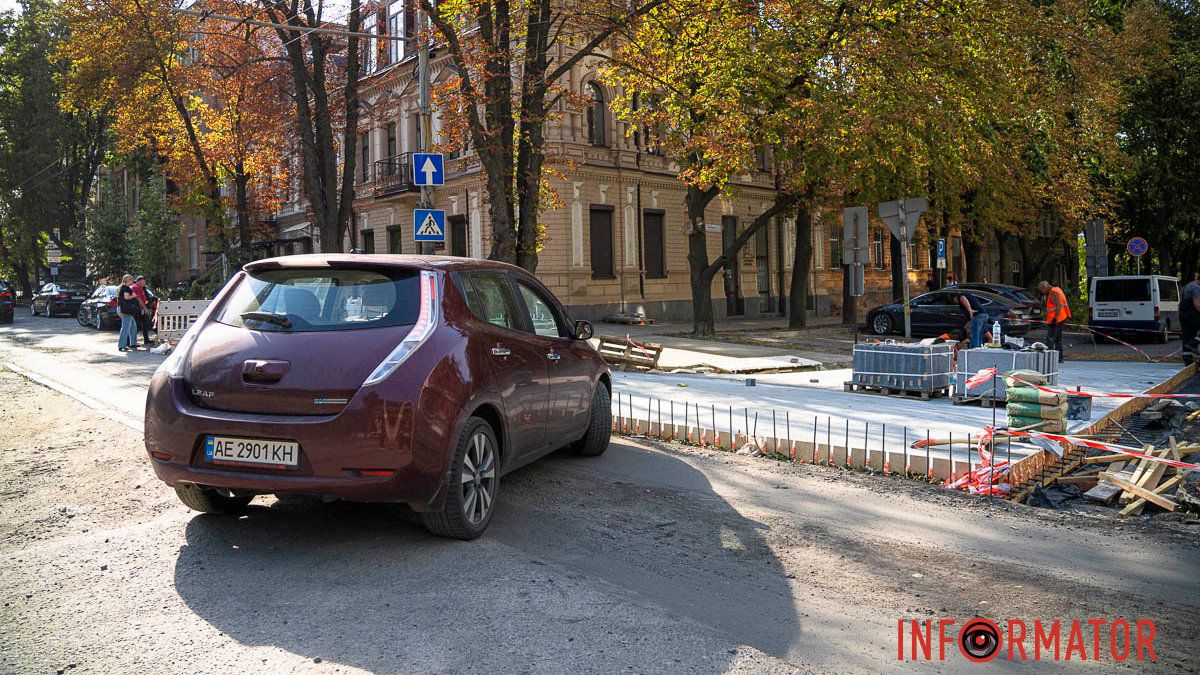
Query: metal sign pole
x,y
426,140
904,272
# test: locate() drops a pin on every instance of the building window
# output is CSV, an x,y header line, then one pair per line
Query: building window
x,y
368,241
878,252
654,245
396,26
601,231
395,244
364,149
392,140
596,117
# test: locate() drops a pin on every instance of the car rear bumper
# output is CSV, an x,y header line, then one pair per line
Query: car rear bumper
x,y
1132,328
368,435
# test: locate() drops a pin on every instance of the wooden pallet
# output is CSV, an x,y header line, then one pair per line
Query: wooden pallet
x,y
630,320
924,395
983,401
624,352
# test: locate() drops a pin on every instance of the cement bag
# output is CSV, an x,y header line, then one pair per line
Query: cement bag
x,y
1027,376
1031,395
1052,426
1045,412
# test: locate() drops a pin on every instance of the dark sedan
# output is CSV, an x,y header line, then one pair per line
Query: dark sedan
x,y
939,313
59,298
100,309
420,380
1021,296
6,302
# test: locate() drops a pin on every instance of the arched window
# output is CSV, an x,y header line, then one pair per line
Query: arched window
x,y
596,114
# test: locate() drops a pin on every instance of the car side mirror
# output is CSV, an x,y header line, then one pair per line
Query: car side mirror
x,y
584,330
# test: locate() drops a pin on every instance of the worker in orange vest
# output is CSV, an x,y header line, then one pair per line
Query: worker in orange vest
x,y
1057,313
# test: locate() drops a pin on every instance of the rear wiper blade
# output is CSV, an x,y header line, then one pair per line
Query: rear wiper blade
x,y
268,318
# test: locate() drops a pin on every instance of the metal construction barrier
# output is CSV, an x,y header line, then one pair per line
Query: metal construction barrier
x,y
175,316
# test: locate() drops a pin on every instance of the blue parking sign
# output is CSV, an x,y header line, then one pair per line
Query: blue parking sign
x,y
429,225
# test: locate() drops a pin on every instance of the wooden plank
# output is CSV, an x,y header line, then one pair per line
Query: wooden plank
x,y
1135,507
1079,480
1151,497
1104,493
1104,459
1142,465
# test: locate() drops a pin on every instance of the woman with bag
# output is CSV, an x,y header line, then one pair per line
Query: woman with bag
x,y
129,307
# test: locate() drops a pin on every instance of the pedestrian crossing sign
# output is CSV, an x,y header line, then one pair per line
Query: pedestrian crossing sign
x,y
429,225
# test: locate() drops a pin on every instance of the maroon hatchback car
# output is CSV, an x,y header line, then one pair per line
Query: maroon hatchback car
x,y
409,379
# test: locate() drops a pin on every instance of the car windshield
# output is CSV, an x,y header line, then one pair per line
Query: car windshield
x,y
73,288
306,300
1122,290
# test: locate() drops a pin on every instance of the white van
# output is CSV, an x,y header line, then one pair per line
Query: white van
x,y
1134,306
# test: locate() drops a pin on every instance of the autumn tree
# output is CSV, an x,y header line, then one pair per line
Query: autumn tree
x,y
324,72
510,58
48,152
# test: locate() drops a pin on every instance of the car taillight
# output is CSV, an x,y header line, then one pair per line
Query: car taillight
x,y
5,295
111,303
175,361
421,330
1089,313
1156,313
63,296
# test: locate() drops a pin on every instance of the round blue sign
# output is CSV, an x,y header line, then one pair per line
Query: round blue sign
x,y
1137,246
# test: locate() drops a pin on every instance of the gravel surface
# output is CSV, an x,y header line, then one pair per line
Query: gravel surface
x,y
651,558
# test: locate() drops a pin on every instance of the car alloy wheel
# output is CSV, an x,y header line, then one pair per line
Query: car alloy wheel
x,y
881,324
99,321
478,479
81,317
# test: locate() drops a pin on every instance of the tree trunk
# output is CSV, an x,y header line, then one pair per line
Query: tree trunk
x,y
1003,257
801,264
974,252
895,248
701,273
240,181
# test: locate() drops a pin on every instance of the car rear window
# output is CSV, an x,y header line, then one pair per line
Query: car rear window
x,y
1122,290
308,300
1168,290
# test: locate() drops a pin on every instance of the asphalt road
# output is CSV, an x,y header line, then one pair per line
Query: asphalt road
x,y
647,559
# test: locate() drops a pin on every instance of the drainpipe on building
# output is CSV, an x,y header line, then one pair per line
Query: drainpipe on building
x,y
779,275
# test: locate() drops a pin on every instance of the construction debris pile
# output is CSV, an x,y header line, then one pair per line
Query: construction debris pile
x,y
1159,475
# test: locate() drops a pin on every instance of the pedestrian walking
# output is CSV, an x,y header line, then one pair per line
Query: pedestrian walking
x,y
1057,313
128,307
976,318
1189,320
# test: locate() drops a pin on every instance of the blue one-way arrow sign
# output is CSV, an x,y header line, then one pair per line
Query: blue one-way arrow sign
x,y
429,225
428,168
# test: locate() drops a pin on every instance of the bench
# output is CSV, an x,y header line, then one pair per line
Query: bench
x,y
626,353
175,316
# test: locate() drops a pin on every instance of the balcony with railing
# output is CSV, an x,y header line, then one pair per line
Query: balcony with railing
x,y
394,175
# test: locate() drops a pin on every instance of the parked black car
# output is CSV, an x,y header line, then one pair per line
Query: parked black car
x,y
938,312
59,298
6,302
100,309
1021,296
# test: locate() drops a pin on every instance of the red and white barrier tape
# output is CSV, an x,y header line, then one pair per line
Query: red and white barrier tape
x,y
1107,447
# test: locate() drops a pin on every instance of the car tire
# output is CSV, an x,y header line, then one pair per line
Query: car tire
x,y
81,317
208,500
599,431
1099,339
882,324
32,309
99,323
464,516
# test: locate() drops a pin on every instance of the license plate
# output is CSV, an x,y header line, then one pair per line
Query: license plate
x,y
252,452
1108,313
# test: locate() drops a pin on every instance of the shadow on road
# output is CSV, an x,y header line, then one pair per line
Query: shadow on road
x,y
579,572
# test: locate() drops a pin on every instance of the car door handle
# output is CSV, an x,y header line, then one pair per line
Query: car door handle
x,y
500,351
553,356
